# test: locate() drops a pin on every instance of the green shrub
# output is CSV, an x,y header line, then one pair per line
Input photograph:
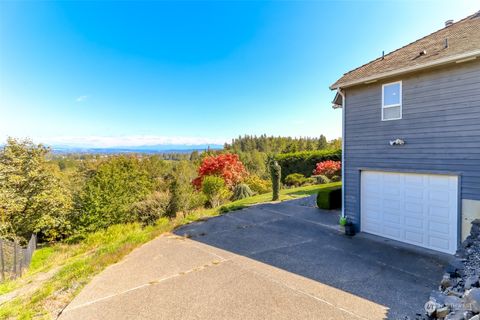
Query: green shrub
x,y
295,179
197,200
330,198
108,195
183,196
321,179
304,162
342,221
241,191
215,190
258,185
276,174
336,178
151,209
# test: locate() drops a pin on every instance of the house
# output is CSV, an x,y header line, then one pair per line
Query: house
x,y
411,139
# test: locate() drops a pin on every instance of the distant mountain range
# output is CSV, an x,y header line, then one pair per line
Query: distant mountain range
x,y
135,149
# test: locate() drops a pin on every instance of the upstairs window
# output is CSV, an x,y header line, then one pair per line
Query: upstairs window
x,y
392,101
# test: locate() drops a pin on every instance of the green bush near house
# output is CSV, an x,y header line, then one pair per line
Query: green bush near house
x,y
330,198
304,162
336,179
295,179
321,179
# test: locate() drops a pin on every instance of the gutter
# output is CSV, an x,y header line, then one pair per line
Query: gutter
x,y
459,58
342,93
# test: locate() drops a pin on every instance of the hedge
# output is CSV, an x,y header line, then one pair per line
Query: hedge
x,y
330,198
304,162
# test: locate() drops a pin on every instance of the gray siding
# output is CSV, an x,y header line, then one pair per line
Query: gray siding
x,y
441,127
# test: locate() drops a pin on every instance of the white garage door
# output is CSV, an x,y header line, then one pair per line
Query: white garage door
x,y
419,209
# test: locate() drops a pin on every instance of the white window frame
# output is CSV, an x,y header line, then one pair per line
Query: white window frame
x,y
392,105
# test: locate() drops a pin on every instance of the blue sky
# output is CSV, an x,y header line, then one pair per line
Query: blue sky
x,y
135,73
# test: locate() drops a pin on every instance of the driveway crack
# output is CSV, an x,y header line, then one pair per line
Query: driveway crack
x,y
150,283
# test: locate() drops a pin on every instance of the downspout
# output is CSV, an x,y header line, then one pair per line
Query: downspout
x,y
342,93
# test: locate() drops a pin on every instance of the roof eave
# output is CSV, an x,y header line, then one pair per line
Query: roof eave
x,y
455,58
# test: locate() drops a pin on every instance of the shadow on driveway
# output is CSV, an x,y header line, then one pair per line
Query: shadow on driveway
x,y
296,237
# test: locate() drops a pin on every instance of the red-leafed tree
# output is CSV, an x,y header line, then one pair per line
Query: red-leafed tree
x,y
227,166
328,168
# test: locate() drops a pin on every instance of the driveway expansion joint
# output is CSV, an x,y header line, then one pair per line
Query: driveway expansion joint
x,y
214,263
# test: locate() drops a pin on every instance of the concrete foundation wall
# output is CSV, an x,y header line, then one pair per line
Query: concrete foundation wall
x,y
470,212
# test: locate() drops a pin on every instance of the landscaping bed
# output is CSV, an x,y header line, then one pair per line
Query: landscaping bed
x,y
458,296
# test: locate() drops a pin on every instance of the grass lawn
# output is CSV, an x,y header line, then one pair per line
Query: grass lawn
x,y
285,194
58,272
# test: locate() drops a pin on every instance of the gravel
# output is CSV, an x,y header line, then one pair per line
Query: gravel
x,y
458,295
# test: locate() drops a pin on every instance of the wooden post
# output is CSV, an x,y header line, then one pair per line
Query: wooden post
x,y
2,260
15,258
20,264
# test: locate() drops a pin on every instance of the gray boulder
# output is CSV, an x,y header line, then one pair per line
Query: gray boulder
x,y
431,307
471,300
438,297
442,312
446,282
455,303
471,281
458,315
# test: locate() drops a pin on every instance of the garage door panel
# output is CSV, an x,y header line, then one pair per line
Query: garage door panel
x,y
413,208
415,181
392,232
390,179
441,196
437,243
392,191
420,209
374,214
439,212
395,218
438,181
391,204
373,229
374,190
414,194
413,222
442,228
414,237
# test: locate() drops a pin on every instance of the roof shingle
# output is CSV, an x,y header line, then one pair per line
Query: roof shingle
x,y
462,36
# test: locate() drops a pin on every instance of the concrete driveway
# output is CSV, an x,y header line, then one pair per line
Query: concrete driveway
x,y
272,261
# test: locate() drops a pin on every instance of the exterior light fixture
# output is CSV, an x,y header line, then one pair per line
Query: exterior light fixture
x,y
397,142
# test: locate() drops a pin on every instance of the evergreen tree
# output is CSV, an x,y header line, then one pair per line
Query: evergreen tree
x,y
276,174
322,143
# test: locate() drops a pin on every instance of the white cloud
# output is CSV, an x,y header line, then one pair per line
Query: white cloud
x,y
127,141
81,98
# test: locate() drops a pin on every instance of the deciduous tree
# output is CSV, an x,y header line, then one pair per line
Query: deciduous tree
x,y
32,198
226,166
109,194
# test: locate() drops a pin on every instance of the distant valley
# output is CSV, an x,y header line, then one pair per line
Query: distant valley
x,y
135,149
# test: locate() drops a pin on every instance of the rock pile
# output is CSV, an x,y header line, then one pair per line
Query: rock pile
x,y
458,296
